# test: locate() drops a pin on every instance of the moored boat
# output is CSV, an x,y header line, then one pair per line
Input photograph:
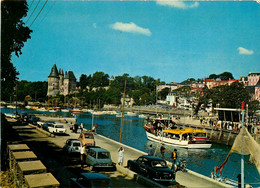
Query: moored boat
x,y
164,130
75,110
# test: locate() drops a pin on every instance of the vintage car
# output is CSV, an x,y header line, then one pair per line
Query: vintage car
x,y
154,168
98,158
87,138
91,180
56,128
72,146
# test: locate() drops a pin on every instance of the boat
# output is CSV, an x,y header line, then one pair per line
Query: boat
x,y
42,109
130,114
65,110
53,110
75,110
142,116
99,112
164,130
11,106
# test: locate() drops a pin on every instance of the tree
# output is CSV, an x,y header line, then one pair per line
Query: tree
x,y
100,79
226,76
13,36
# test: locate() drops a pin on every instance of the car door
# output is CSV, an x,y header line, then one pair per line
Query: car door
x,y
143,167
91,157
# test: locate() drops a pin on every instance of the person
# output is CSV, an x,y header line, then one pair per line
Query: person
x,y
83,154
120,156
162,150
94,128
174,157
150,150
81,127
76,126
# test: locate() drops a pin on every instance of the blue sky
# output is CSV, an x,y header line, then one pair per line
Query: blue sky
x,y
172,41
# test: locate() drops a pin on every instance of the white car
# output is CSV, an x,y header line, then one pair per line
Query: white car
x,y
72,146
56,128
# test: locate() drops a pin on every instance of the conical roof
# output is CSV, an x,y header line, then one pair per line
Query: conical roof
x,y
54,71
70,75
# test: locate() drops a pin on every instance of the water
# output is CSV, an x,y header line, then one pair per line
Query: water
x,y
199,160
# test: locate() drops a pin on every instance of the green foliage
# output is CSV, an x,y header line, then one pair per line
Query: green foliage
x,y
37,90
222,76
226,96
13,36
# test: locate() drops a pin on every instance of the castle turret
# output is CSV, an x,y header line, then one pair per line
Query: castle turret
x,y
53,82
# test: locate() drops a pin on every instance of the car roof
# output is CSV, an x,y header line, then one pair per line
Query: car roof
x,y
95,176
152,158
97,149
76,140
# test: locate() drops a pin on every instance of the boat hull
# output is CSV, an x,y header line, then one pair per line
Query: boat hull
x,y
179,143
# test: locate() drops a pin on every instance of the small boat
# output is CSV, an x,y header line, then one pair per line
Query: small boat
x,y
65,110
84,110
52,110
142,116
11,106
42,109
12,115
75,110
99,113
130,114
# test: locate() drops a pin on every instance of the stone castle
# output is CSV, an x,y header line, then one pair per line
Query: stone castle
x,y
60,83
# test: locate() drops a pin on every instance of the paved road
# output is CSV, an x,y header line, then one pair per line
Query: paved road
x,y
62,166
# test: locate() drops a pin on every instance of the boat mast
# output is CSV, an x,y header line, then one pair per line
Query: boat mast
x,y
122,116
242,156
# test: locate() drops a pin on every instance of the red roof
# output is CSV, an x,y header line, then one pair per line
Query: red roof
x,y
208,80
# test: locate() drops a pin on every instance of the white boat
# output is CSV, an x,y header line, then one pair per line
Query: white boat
x,y
42,109
177,138
99,113
11,106
163,130
52,110
130,114
65,110
142,116
84,110
10,115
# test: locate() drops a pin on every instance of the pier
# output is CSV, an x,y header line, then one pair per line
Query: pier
x,y
48,149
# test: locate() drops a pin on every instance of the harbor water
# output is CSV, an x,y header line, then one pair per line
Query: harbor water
x,y
202,161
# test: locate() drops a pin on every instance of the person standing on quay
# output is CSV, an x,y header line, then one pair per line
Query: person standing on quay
x,y
83,153
174,157
150,150
162,150
120,156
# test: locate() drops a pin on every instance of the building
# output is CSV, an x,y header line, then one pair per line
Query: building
x,y
60,83
253,78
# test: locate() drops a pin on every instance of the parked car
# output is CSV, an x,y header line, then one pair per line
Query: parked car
x,y
99,158
72,146
56,128
91,180
87,138
33,120
45,126
154,168
40,123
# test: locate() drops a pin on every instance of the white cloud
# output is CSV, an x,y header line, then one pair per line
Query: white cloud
x,y
131,28
177,4
244,51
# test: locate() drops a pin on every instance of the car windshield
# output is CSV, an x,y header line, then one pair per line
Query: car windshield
x,y
76,144
159,164
88,136
50,122
103,155
59,126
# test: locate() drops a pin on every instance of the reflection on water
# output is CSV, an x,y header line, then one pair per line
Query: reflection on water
x,y
199,160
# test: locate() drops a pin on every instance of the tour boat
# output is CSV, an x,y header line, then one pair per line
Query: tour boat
x,y
164,130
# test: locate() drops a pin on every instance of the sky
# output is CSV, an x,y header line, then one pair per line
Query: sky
x,y
167,40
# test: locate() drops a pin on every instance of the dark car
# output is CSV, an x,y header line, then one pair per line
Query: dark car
x,y
154,168
33,120
91,180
